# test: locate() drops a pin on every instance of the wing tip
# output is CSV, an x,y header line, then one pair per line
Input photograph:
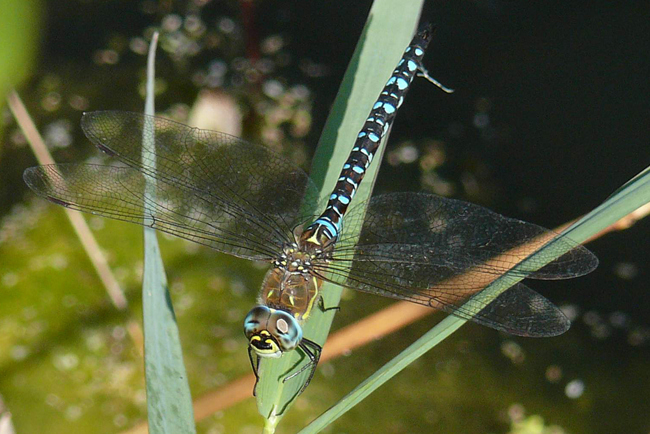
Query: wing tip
x,y
559,325
520,311
94,127
35,177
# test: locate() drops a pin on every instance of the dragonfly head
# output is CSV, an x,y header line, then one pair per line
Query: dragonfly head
x,y
271,332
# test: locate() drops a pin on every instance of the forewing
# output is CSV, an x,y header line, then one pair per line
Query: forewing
x,y
453,236
211,188
438,252
223,167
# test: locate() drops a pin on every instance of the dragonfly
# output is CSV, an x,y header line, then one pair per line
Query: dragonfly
x,y
247,201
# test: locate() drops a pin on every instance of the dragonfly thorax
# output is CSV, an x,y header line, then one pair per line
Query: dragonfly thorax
x,y
296,259
291,291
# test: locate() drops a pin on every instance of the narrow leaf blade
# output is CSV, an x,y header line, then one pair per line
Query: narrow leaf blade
x,y
375,57
169,402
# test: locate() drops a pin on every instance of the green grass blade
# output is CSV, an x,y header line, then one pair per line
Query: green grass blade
x,y
628,198
169,402
384,38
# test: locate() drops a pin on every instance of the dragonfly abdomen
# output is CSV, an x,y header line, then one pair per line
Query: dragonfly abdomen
x,y
327,227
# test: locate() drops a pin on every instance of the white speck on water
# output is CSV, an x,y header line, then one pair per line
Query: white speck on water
x,y
238,288
73,412
171,22
591,318
138,45
66,362
516,412
58,134
94,341
117,348
513,351
140,397
120,420
19,352
553,373
217,428
96,223
601,331
272,44
571,311
574,389
118,332
326,369
53,400
178,286
58,261
9,280
626,270
481,120
300,92
226,25
273,88
638,336
619,319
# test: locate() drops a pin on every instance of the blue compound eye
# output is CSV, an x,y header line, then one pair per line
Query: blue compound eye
x,y
256,320
285,329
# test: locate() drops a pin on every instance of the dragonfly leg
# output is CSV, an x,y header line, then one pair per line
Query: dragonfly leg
x,y
313,351
255,364
321,305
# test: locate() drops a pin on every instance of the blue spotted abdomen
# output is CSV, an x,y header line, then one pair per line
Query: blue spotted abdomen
x,y
326,228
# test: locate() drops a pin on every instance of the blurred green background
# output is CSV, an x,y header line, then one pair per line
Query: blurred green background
x,y
551,114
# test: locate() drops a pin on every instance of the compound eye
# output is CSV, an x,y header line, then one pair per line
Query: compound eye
x,y
287,330
256,320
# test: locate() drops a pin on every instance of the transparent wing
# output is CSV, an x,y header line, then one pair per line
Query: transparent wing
x,y
438,252
211,188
